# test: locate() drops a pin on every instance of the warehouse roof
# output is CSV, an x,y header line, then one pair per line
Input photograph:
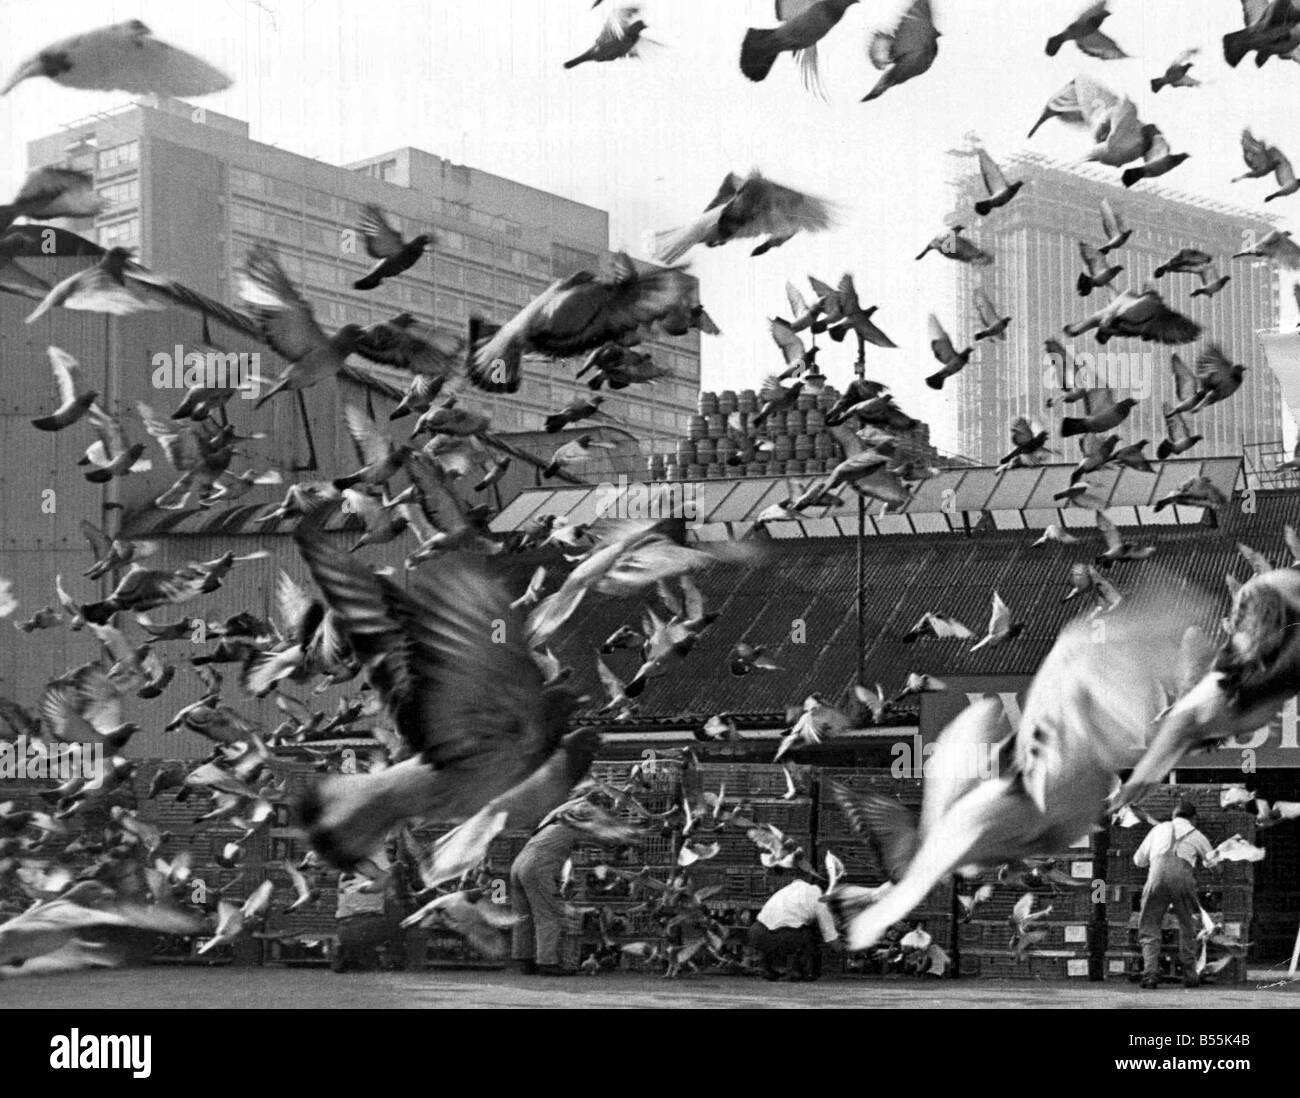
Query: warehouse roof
x,y
1017,499
799,602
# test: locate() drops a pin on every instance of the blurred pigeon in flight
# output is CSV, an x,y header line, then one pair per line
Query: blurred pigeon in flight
x,y
385,244
1098,273
577,314
905,53
1178,74
1215,378
993,325
1276,244
1144,316
619,38
1272,29
846,314
1112,223
941,346
1157,158
102,288
1178,437
288,326
1102,413
999,191
1255,670
123,57
952,245
49,193
804,23
1263,159
1086,33
75,400
746,206
1186,261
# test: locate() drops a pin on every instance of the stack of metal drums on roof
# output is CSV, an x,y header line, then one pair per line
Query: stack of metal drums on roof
x,y
801,443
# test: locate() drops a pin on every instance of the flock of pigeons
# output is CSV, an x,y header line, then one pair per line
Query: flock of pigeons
x,y
469,708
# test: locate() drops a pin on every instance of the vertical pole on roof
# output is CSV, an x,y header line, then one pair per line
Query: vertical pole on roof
x,y
860,372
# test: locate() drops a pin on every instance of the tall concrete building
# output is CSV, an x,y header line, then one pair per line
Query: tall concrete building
x,y
1036,239
192,192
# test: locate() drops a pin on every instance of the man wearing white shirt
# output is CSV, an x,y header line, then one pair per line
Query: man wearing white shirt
x,y
793,923
1171,850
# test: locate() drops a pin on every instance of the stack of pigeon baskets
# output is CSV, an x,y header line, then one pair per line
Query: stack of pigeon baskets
x,y
610,909
1225,891
1065,890
758,790
863,867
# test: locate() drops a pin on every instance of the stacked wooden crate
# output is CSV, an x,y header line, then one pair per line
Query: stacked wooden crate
x,y
1064,952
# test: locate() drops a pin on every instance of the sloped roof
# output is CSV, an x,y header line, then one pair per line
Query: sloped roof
x,y
940,503
813,582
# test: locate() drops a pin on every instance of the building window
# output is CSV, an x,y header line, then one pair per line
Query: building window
x,y
282,191
322,274
121,234
384,170
126,193
566,261
119,156
318,200
244,180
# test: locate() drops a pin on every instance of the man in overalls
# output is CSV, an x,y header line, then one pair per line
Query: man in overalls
x,y
1171,850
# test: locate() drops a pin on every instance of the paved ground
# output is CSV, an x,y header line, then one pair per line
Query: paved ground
x,y
167,987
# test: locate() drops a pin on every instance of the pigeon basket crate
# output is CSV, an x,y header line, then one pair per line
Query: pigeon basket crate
x,y
1126,965
1068,937
1048,965
792,818
743,781
874,780
505,848
1074,905
655,775
1230,903
748,884
861,864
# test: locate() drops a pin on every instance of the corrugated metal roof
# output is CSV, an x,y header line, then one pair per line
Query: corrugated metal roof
x,y
799,601
949,495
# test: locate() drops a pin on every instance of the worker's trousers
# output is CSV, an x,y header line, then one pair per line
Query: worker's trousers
x,y
1170,884
535,895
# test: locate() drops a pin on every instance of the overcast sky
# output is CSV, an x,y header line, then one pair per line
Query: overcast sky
x,y
650,139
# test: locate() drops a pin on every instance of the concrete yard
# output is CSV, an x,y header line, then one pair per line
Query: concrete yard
x,y
184,987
